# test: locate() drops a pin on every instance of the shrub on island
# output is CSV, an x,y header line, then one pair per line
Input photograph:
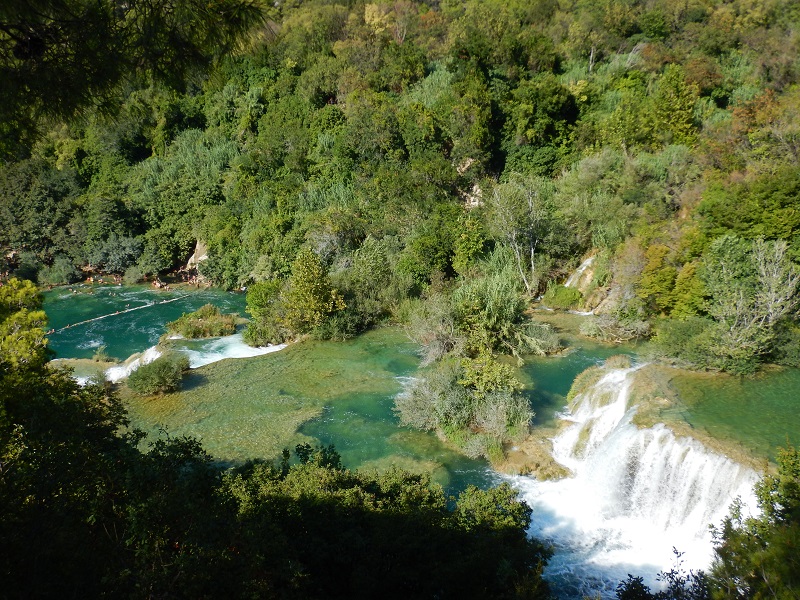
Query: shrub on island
x,y
162,376
206,321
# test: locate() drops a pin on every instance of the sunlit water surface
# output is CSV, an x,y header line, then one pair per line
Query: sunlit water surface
x,y
342,393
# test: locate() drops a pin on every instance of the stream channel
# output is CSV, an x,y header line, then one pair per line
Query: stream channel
x,y
634,494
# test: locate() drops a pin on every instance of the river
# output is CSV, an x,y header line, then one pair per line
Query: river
x,y
634,494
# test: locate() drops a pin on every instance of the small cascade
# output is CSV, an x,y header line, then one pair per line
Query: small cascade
x,y
200,353
115,374
229,346
574,279
634,494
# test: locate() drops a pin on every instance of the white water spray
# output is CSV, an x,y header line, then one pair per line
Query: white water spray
x,y
575,277
199,353
634,495
230,346
118,373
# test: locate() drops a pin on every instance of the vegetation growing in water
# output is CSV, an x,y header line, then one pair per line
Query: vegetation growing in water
x,y
206,321
77,489
161,376
412,141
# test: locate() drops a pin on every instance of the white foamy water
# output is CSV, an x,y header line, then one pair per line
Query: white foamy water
x,y
230,346
575,277
200,354
120,372
634,495
91,343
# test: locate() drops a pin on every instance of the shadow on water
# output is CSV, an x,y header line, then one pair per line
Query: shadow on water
x,y
193,380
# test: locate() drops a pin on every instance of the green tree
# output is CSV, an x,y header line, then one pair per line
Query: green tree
x,y
522,213
674,107
58,57
689,292
22,338
752,287
658,279
756,557
309,297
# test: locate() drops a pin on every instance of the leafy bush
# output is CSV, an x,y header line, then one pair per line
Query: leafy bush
x,y
265,305
61,271
561,297
206,321
786,349
475,402
132,275
161,376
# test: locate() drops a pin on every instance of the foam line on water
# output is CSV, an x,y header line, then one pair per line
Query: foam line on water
x,y
210,351
230,346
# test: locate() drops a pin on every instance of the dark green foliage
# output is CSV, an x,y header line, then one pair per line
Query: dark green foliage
x,y
440,131
162,376
36,202
541,112
767,207
757,557
432,247
83,511
58,58
206,321
350,535
61,271
786,347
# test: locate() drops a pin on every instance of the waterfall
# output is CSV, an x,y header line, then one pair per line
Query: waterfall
x,y
230,346
574,278
118,373
200,353
634,495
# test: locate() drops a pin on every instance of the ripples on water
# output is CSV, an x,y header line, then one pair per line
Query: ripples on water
x,y
342,394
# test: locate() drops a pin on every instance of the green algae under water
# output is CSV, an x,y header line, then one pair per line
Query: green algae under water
x,y
762,412
339,393
342,393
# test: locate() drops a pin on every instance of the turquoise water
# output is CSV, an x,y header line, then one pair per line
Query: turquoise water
x,y
762,412
339,393
122,333
343,393
549,379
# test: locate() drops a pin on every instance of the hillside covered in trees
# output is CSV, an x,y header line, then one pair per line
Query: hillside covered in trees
x,y
442,165
388,152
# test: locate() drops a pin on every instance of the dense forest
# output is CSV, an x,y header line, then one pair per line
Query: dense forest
x,y
443,165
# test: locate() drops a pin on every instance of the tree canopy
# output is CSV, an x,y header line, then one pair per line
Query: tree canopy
x,y
58,57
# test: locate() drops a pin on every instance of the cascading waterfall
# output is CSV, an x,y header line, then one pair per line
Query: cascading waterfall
x,y
230,346
634,495
575,277
200,353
